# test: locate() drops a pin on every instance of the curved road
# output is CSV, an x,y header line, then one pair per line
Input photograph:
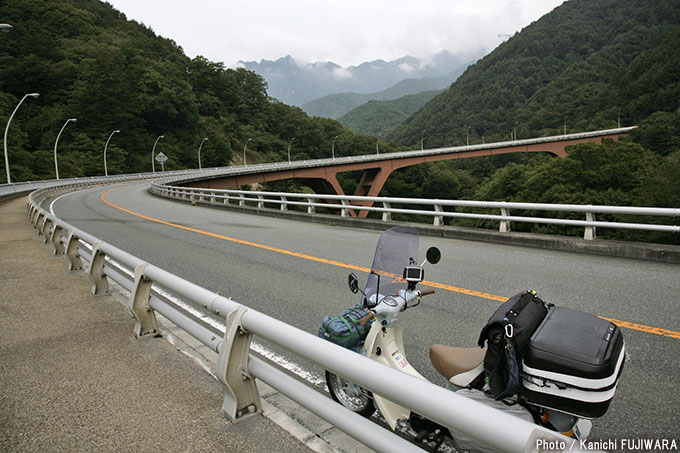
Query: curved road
x,y
297,272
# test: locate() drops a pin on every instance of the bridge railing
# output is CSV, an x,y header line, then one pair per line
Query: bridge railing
x,y
413,206
227,327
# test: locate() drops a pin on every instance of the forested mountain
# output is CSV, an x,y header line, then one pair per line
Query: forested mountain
x,y
589,64
379,117
585,63
338,104
89,62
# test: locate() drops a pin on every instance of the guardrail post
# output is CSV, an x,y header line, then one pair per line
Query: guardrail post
x,y
311,209
387,216
590,232
74,261
345,211
34,217
213,197
45,229
505,224
56,239
284,204
36,222
241,398
145,317
438,219
241,199
260,201
100,285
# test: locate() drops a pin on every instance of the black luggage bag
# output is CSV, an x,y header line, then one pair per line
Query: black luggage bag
x,y
573,363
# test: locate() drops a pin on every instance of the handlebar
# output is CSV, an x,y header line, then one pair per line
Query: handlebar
x,y
366,319
427,292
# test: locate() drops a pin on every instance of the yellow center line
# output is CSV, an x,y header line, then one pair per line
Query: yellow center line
x,y
469,292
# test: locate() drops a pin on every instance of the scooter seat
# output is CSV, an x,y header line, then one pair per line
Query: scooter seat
x,y
450,361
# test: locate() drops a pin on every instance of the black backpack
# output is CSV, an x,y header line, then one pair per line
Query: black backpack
x,y
507,335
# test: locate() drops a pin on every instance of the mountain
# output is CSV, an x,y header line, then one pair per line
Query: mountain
x,y
298,83
89,62
378,118
589,64
338,104
584,64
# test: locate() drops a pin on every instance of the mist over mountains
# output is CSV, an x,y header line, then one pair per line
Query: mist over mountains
x,y
296,83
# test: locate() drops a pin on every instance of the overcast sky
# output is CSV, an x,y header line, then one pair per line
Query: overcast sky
x,y
347,32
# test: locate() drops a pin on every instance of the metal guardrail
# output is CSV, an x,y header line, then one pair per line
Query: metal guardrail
x,y
27,186
345,203
154,290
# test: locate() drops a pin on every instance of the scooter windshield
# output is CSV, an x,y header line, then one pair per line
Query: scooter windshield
x,y
396,249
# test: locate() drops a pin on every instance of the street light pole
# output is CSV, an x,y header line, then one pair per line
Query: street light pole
x,y
106,170
153,155
33,95
422,136
333,147
289,143
56,167
199,153
244,152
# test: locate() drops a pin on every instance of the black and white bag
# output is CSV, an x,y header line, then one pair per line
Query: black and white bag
x,y
507,335
573,363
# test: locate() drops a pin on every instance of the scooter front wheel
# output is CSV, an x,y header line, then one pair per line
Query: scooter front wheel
x,y
350,395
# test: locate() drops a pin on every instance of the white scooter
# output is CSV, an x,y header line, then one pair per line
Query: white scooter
x,y
393,266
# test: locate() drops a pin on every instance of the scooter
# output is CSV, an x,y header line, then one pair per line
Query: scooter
x,y
395,266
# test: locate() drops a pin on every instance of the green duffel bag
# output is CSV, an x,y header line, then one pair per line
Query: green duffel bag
x,y
345,329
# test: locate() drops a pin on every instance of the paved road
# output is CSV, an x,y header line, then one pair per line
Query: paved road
x,y
300,291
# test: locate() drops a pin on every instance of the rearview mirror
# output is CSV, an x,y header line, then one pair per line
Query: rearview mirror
x,y
353,282
433,255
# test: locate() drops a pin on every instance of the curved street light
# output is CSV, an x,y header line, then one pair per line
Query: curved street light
x,y
33,95
153,151
289,143
106,170
56,166
199,152
244,151
333,147
5,27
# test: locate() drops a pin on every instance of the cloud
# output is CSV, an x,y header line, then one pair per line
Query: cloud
x,y
347,32
342,74
405,67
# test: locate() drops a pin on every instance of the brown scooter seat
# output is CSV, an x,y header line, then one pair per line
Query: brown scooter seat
x,y
450,361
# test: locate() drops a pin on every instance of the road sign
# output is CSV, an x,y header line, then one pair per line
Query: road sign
x,y
161,158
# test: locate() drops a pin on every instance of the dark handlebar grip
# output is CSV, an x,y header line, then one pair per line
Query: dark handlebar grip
x,y
427,292
366,319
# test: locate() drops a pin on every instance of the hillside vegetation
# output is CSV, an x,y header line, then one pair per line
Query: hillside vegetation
x,y
89,62
589,65
585,63
380,117
338,104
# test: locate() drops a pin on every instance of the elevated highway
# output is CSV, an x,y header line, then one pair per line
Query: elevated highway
x,y
322,173
296,272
